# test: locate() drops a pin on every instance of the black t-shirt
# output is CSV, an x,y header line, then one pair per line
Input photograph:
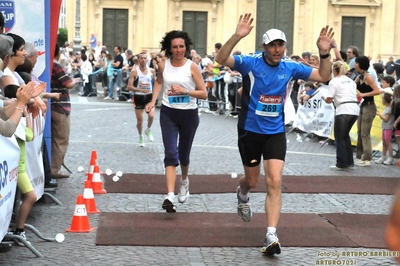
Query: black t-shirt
x,y
120,59
389,68
397,113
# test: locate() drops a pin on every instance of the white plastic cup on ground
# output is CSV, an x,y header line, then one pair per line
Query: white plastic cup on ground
x,y
115,178
108,172
233,175
60,237
119,173
80,168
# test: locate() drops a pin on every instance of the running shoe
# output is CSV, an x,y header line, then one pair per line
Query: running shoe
x,y
334,167
168,204
16,240
183,190
388,161
271,245
149,134
243,208
141,141
362,163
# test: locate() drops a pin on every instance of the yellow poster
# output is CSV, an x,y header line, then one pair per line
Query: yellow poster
x,y
376,131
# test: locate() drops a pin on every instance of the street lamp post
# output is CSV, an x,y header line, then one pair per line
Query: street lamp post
x,y
77,38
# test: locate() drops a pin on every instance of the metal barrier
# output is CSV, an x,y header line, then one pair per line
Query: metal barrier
x,y
12,237
225,94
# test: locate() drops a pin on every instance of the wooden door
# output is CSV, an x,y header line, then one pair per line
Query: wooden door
x,y
195,24
277,14
115,28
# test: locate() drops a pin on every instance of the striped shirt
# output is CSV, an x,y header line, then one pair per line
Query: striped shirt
x,y
59,80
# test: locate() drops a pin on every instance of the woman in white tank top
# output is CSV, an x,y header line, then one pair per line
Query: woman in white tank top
x,y
182,84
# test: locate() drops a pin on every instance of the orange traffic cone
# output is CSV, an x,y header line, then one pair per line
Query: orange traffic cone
x,y
398,162
88,197
97,184
92,164
80,220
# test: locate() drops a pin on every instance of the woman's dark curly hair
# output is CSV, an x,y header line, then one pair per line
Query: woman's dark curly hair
x,y
363,62
169,36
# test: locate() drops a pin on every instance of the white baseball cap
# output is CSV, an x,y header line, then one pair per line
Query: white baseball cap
x,y
272,35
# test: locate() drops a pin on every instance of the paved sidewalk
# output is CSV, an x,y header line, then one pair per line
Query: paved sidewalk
x,y
110,129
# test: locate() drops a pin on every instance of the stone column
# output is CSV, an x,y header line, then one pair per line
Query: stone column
x,y
77,38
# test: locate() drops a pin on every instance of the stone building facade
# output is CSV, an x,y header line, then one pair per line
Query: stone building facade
x,y
140,24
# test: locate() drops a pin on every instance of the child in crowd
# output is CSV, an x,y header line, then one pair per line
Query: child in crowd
x,y
387,84
387,127
24,183
396,113
110,71
306,92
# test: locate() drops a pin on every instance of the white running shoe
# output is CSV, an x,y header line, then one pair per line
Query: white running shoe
x,y
271,245
362,163
380,160
243,208
168,204
149,134
183,190
141,141
388,161
334,167
18,241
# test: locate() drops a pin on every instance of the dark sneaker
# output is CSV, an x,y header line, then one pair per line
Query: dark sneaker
x,y
243,208
271,245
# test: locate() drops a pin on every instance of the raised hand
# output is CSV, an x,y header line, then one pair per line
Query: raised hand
x,y
39,88
324,40
24,93
244,26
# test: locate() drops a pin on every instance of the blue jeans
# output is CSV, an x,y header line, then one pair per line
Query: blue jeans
x,y
118,80
341,130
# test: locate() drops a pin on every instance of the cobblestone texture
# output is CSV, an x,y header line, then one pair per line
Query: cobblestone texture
x,y
109,128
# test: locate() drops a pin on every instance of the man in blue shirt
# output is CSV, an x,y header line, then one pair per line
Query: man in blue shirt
x,y
92,40
261,127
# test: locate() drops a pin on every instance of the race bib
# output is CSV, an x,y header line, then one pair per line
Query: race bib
x,y
269,106
144,86
178,98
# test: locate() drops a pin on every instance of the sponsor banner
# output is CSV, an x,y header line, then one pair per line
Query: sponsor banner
x,y
8,180
315,116
8,10
290,111
34,157
26,19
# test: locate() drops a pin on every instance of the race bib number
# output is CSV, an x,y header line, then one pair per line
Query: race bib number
x,y
144,86
269,106
178,98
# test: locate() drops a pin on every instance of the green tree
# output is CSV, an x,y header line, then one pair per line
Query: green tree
x,y
62,36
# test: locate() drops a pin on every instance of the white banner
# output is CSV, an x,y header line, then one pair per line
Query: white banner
x,y
315,116
9,158
290,111
34,158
